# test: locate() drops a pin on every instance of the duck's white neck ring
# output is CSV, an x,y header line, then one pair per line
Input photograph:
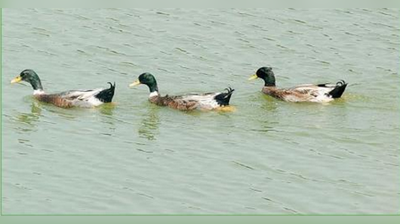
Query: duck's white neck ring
x,y
38,92
153,94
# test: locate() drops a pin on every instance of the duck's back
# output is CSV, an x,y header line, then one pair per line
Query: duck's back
x,y
175,102
302,93
188,102
72,98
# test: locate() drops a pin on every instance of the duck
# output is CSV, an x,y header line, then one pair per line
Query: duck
x,y
189,102
67,99
320,93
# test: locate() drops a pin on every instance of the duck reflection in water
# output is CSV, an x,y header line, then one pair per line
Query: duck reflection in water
x,y
149,124
29,120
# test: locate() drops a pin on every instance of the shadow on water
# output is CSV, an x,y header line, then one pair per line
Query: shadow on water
x,y
106,117
76,112
150,123
264,119
270,104
67,113
107,108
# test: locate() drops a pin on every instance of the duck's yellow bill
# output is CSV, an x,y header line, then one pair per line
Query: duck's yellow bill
x,y
253,77
135,83
16,79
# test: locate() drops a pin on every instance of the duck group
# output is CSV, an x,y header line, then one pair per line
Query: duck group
x,y
317,93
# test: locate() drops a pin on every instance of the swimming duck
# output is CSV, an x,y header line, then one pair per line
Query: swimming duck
x,y
72,98
207,101
303,93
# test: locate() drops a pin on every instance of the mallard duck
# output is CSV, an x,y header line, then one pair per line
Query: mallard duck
x,y
72,98
207,101
303,93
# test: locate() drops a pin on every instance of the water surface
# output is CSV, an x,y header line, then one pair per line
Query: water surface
x,y
267,157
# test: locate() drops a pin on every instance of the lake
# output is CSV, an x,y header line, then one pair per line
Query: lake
x,y
266,157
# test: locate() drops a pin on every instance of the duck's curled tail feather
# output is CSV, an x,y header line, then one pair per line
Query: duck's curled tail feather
x,y
339,89
106,95
223,98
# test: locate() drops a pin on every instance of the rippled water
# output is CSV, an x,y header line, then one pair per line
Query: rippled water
x,y
267,157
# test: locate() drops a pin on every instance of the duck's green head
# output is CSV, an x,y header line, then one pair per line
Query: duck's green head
x,y
146,79
266,74
28,75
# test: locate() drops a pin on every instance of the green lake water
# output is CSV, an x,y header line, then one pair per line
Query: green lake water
x,y
267,157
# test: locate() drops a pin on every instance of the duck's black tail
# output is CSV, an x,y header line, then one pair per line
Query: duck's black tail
x,y
339,89
223,98
106,95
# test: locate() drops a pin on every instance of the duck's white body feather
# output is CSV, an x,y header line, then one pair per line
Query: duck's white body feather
x,y
83,98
